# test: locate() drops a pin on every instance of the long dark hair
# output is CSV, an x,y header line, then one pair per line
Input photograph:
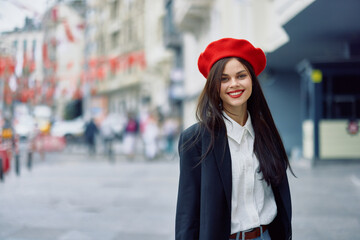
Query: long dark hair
x,y
268,146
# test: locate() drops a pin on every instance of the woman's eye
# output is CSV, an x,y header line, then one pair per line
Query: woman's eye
x,y
242,76
223,79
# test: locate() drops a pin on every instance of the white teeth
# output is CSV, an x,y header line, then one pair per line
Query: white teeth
x,y
235,93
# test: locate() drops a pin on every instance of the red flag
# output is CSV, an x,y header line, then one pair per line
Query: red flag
x,y
25,62
69,65
131,59
68,32
141,59
114,64
54,14
81,26
45,52
11,66
2,65
92,62
32,66
100,74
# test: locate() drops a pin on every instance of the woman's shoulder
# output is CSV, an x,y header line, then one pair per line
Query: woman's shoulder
x,y
190,141
192,131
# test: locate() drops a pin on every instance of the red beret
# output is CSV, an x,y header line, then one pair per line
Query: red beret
x,y
230,47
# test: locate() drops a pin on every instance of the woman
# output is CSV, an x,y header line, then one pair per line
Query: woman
x,y
233,182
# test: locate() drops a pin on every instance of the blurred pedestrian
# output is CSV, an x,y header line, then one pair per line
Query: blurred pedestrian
x,y
90,133
233,182
108,135
150,137
131,131
7,131
7,138
170,131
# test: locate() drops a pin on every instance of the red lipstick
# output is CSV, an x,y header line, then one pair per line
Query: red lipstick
x,y
236,93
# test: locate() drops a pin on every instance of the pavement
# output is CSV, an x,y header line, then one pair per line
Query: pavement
x,y
326,200
81,197
75,196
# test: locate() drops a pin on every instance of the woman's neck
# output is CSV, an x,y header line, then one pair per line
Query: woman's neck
x,y
240,116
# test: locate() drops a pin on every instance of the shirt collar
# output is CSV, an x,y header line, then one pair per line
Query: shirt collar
x,y
235,130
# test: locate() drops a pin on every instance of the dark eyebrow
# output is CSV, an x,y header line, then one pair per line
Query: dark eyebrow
x,y
224,74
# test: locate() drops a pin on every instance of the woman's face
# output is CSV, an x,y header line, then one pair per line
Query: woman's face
x,y
236,87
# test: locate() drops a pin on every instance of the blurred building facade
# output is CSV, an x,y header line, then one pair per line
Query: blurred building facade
x,y
121,56
290,33
63,53
128,64
316,73
22,65
207,20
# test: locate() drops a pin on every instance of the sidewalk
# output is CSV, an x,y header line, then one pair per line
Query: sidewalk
x,y
326,201
82,149
76,197
72,197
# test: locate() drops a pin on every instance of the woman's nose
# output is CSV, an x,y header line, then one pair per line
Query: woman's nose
x,y
234,82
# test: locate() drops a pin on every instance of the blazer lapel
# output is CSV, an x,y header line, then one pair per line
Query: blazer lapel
x,y
223,160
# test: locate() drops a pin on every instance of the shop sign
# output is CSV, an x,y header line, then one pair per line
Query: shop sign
x,y
316,76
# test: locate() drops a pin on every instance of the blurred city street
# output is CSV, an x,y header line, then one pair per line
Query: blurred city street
x,y
72,196
75,196
326,201
94,95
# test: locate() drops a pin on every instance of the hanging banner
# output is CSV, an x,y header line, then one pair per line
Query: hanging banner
x,y
69,34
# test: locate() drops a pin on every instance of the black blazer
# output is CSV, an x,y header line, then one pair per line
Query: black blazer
x,y
204,197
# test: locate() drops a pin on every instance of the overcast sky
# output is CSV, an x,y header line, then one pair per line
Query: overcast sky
x,y
13,12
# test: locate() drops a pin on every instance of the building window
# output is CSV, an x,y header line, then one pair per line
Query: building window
x,y
24,45
115,39
341,97
129,4
33,49
114,9
15,44
101,45
130,31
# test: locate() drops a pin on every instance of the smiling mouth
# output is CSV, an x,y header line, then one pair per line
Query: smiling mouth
x,y
236,94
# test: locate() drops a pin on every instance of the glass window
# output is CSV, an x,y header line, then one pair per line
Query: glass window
x,y
15,44
341,97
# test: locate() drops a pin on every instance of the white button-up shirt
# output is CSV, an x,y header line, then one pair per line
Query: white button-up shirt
x,y
252,200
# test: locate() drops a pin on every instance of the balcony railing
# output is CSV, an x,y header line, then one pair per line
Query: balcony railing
x,y
190,14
